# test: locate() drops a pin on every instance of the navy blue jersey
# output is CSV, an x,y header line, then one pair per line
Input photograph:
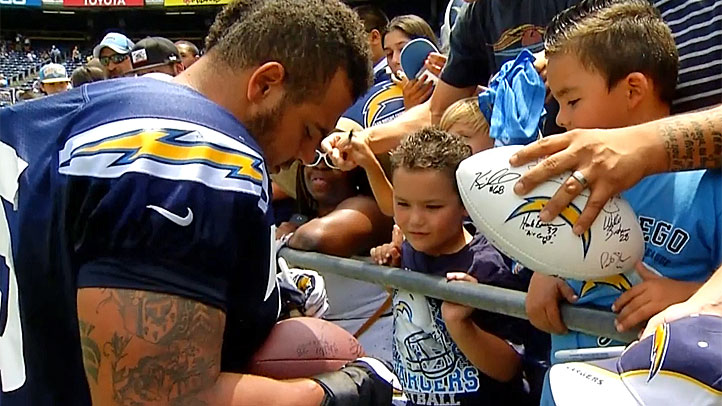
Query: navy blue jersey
x,y
128,183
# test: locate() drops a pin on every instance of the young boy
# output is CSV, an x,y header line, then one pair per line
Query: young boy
x,y
614,64
445,353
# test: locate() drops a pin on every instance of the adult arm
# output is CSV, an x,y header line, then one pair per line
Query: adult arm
x,y
616,159
354,226
148,348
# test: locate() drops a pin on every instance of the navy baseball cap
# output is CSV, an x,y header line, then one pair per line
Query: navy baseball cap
x,y
680,364
115,41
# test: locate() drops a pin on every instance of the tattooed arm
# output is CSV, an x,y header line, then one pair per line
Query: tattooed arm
x,y
146,348
616,159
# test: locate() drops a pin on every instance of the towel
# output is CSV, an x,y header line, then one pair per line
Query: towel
x,y
514,103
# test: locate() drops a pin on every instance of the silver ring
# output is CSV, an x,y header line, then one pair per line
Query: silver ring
x,y
579,177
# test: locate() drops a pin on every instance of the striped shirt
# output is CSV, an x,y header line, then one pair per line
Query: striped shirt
x,y
697,29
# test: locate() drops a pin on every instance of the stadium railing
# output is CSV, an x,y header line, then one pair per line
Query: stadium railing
x,y
480,296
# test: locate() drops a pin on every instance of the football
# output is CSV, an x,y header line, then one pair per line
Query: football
x,y
511,223
302,347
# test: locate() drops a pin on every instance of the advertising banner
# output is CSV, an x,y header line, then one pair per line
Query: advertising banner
x,y
186,3
20,3
103,3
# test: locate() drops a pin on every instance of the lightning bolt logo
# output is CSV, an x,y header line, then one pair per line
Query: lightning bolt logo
x,y
165,145
660,343
377,106
619,282
570,215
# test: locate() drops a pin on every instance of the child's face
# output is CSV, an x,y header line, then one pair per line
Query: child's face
x,y
394,42
428,210
583,96
477,140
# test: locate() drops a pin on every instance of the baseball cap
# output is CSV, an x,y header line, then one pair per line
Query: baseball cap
x,y
53,73
153,51
115,41
680,364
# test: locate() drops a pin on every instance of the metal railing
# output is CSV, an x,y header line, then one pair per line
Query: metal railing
x,y
480,296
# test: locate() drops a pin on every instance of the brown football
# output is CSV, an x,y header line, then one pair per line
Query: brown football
x,y
302,347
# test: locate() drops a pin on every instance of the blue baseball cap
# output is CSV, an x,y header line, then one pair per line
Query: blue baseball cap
x,y
680,364
115,41
53,73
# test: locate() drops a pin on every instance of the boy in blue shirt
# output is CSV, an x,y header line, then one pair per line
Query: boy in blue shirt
x,y
614,64
445,353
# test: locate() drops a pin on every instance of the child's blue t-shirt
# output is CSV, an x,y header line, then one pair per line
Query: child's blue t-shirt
x,y
681,219
431,367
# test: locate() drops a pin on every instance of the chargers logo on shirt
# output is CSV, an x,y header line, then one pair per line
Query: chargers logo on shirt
x,y
169,149
385,103
165,145
570,215
618,282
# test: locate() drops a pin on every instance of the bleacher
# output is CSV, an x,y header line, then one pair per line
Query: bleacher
x,y
16,67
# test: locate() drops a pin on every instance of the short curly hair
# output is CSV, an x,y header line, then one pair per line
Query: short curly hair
x,y
431,148
312,39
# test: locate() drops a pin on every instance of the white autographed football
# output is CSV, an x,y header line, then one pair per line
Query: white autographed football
x,y
511,223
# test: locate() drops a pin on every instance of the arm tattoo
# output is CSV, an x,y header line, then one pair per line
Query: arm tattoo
x,y
181,341
91,351
694,141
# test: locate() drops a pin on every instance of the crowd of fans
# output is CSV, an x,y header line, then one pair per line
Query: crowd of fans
x,y
382,183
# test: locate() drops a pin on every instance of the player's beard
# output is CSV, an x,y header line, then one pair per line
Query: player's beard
x,y
263,127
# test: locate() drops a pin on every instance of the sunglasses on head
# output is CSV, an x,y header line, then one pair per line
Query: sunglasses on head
x,y
322,156
116,58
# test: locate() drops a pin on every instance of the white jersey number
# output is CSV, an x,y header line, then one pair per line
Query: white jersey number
x,y
12,361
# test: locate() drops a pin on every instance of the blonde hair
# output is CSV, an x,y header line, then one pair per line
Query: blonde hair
x,y
465,111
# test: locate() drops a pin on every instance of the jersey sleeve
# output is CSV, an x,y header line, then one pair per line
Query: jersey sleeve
x,y
468,63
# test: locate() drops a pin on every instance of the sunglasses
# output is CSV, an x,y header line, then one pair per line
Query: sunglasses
x,y
322,156
116,58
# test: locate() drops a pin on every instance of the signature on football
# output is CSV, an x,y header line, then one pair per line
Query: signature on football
x,y
612,227
542,231
616,259
494,180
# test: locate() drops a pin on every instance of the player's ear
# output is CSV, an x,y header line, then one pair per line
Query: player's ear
x,y
266,82
637,87
375,37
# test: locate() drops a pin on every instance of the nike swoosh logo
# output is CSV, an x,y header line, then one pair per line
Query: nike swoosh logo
x,y
181,221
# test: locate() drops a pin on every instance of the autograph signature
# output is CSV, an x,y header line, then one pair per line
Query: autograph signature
x,y
494,180
608,259
533,227
613,227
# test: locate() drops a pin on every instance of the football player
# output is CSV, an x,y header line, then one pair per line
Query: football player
x,y
135,227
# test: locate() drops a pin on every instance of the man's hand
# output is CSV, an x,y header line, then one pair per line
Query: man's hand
x,y
610,160
435,63
650,297
542,302
416,91
363,382
389,253
454,312
359,151
338,144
